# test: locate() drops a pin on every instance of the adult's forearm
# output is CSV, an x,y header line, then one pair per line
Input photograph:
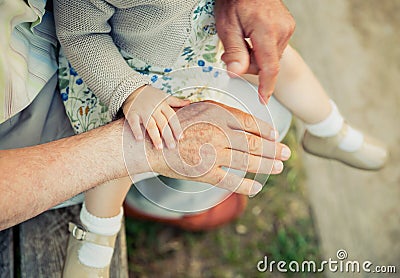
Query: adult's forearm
x,y
34,179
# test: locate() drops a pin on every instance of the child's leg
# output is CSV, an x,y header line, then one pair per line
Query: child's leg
x,y
106,200
101,214
298,89
327,133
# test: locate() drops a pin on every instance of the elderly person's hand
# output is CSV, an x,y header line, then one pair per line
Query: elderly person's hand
x,y
269,26
215,136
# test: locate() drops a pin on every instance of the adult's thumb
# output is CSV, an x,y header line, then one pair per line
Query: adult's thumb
x,y
236,55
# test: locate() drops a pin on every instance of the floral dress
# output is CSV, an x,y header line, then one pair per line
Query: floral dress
x,y
202,50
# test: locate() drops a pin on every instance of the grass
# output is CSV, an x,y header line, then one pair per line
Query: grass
x,y
277,223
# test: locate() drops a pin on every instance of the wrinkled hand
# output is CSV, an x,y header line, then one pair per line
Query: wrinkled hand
x,y
216,136
153,108
269,26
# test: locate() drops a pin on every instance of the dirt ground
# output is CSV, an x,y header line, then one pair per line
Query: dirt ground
x,y
353,47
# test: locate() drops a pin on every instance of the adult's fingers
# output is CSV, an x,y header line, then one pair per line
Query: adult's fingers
x,y
249,123
236,55
256,145
250,163
267,56
253,67
237,184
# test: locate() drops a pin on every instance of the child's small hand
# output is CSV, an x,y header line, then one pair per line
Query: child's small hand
x,y
153,108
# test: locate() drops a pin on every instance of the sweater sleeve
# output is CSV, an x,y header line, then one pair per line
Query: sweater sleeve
x,y
84,33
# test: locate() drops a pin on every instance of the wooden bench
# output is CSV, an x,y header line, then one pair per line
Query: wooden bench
x,y
37,248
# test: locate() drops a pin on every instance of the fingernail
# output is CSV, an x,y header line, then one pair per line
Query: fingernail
x,y
160,146
139,138
278,165
274,134
286,153
255,189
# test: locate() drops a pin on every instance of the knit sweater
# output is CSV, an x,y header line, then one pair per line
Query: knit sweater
x,y
92,32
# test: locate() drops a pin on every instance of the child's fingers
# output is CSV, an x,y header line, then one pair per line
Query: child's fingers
x,y
154,134
134,123
177,102
165,130
173,122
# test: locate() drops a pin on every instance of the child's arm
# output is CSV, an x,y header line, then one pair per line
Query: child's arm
x,y
84,33
153,108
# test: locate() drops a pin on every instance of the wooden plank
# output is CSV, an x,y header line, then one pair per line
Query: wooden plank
x,y
43,242
6,254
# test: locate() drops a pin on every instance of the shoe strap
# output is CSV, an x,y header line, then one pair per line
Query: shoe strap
x,y
79,232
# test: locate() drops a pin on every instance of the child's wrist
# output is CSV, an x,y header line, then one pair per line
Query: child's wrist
x,y
128,101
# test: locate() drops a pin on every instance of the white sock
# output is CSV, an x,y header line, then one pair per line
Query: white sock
x,y
94,255
332,125
328,127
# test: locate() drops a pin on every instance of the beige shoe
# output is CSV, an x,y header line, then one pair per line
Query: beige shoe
x,y
73,268
371,156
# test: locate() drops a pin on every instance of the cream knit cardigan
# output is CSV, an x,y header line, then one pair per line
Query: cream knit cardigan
x,y
91,33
